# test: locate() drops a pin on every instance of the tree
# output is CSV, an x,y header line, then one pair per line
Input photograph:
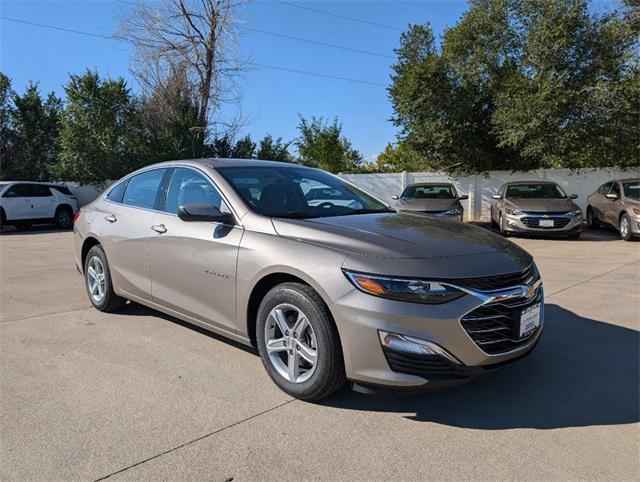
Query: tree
x,y
273,150
36,123
195,38
521,84
7,134
168,117
322,145
244,148
400,158
101,135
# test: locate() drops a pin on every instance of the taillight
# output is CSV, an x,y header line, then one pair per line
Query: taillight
x,y
76,216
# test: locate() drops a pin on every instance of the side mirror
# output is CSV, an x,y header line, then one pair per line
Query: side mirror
x,y
204,213
611,196
574,196
463,197
395,197
496,196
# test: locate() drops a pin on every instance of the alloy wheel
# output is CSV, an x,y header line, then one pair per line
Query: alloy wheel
x,y
96,282
291,343
624,227
64,218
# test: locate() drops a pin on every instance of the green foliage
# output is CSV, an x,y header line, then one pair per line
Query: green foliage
x,y
401,157
521,84
322,145
30,126
273,150
101,134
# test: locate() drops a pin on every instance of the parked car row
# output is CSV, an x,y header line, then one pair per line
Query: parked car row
x,y
536,207
23,204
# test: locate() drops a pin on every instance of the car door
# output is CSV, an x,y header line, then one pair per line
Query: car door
x,y
612,207
41,202
14,202
599,201
193,264
125,220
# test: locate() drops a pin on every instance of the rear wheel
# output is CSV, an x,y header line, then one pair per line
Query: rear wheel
x,y
592,222
298,342
625,228
64,217
98,281
3,219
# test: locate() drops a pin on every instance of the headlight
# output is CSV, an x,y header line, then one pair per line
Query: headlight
x,y
452,212
577,212
404,289
513,212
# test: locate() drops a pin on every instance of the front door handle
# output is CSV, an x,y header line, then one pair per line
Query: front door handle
x,y
159,228
111,218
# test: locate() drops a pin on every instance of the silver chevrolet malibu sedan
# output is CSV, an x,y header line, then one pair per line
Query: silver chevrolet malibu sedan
x,y
328,290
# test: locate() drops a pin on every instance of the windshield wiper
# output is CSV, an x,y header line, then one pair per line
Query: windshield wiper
x,y
293,215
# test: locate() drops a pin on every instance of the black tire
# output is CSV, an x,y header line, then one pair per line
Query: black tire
x,y
493,223
592,222
3,219
628,236
64,217
110,302
329,374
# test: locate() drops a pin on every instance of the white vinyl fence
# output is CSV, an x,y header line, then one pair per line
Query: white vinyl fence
x,y
481,187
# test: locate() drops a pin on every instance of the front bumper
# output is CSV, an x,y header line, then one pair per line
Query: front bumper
x,y
534,223
368,363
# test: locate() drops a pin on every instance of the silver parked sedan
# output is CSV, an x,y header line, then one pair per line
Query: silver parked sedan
x,y
435,199
329,291
616,203
536,207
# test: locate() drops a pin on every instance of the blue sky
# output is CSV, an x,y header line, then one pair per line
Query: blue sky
x,y
271,100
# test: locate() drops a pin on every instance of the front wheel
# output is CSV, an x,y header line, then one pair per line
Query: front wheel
x,y
299,343
501,227
625,228
592,223
98,281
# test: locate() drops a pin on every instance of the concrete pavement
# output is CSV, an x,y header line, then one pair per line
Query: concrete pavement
x,y
139,395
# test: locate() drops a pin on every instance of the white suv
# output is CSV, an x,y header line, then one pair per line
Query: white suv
x,y
25,203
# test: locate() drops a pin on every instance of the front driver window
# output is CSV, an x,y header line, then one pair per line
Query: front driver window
x,y
188,186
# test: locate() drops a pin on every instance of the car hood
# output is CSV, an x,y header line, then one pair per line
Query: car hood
x,y
409,204
394,242
541,205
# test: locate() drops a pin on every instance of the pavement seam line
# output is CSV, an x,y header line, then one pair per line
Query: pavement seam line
x,y
186,444
43,315
591,279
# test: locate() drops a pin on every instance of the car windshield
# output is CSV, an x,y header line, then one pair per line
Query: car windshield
x,y
432,191
298,192
535,191
632,189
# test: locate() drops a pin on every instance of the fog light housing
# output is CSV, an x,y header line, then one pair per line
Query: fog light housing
x,y
413,346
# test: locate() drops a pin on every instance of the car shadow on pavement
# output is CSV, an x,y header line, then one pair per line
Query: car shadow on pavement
x,y
583,372
36,229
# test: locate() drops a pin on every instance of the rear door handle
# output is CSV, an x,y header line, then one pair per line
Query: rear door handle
x,y
111,218
159,228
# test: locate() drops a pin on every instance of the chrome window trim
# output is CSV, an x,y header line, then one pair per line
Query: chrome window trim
x,y
171,166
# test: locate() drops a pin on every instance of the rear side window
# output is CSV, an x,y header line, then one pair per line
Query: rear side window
x,y
62,189
38,190
142,189
116,192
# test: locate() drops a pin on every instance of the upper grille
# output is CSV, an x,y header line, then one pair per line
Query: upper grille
x,y
493,327
558,222
499,282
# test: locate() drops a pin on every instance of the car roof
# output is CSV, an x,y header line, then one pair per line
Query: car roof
x,y
217,163
443,183
529,181
630,179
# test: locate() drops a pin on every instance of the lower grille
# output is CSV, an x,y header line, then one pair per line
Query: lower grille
x,y
534,222
431,367
494,326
